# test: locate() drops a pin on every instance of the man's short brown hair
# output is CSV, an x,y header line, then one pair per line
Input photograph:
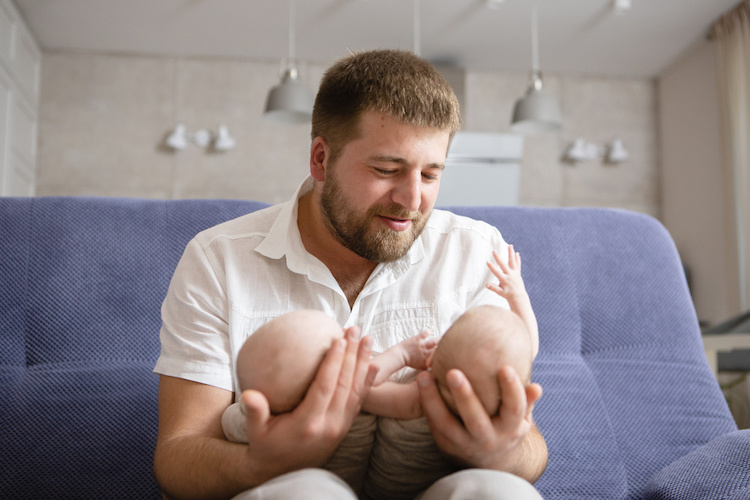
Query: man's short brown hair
x,y
394,82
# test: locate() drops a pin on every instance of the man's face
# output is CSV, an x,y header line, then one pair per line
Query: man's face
x,y
378,196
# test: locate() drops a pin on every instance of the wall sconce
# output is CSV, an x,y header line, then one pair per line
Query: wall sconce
x,y
180,138
581,150
224,141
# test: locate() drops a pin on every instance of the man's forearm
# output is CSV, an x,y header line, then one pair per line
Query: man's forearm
x,y
531,458
204,467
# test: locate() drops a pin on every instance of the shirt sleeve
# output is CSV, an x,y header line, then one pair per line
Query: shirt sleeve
x,y
194,334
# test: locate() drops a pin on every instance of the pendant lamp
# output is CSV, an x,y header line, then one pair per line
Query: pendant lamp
x,y
537,111
290,101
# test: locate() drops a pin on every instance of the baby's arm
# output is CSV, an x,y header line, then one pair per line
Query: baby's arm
x,y
393,400
412,352
512,289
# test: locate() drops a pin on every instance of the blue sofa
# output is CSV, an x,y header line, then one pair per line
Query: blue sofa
x,y
630,406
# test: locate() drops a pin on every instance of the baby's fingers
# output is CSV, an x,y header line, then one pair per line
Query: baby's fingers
x,y
514,258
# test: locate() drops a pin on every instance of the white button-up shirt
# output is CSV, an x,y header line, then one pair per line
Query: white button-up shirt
x,y
236,276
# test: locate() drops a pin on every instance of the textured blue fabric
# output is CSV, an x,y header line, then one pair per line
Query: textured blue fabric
x,y
726,460
81,286
627,389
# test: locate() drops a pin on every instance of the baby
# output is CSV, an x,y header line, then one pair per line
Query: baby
x,y
282,357
479,343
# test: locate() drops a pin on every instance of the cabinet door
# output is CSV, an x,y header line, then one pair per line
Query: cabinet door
x,y
20,63
19,178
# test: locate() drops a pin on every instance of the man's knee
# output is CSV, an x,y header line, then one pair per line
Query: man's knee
x,y
303,485
481,484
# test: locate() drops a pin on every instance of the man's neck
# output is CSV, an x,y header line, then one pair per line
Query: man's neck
x,y
349,269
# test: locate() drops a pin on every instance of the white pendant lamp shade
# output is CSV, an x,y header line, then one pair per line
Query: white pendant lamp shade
x,y
537,111
290,101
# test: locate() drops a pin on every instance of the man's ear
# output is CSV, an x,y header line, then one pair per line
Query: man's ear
x,y
319,152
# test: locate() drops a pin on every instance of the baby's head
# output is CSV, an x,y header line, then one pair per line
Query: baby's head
x,y
479,343
280,359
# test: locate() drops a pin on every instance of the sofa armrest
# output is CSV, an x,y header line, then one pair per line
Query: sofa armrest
x,y
718,469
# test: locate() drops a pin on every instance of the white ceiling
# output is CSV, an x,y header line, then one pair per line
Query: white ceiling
x,y
576,36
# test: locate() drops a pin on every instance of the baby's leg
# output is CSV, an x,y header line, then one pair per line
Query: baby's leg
x,y
234,424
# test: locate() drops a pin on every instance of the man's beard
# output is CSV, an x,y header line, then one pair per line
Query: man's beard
x,y
355,231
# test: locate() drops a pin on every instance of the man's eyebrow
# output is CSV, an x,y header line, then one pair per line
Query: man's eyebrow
x,y
402,161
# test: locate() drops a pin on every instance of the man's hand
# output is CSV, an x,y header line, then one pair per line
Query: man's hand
x,y
508,441
308,436
194,460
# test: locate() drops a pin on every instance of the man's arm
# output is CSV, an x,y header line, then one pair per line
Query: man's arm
x,y
193,460
508,441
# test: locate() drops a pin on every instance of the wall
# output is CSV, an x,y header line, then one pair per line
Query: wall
x,y
693,182
597,109
104,118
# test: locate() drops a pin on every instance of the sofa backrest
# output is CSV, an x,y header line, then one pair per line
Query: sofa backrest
x,y
81,286
627,388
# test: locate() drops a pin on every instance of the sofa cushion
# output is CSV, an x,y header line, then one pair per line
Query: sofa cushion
x,y
627,388
724,472
82,285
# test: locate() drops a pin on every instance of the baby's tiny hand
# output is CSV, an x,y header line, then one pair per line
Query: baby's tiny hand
x,y
510,284
419,349
427,344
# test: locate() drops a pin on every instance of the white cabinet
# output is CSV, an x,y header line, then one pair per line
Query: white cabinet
x,y
482,168
20,65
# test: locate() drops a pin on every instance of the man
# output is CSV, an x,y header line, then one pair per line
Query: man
x,y
360,242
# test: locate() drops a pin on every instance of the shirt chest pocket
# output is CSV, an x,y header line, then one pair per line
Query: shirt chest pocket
x,y
389,327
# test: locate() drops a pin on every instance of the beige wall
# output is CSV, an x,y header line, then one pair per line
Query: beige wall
x,y
692,180
103,119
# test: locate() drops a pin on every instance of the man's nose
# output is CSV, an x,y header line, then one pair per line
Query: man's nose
x,y
408,192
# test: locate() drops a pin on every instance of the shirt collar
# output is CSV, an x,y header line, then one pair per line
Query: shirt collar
x,y
283,237
284,240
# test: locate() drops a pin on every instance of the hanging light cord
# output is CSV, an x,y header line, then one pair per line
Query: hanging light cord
x,y
292,54
534,42
417,35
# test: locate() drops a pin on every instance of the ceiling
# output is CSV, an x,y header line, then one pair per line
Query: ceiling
x,y
576,36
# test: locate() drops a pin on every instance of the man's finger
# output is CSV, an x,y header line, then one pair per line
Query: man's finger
x,y
432,403
468,405
257,410
351,355
363,377
533,394
324,384
514,404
